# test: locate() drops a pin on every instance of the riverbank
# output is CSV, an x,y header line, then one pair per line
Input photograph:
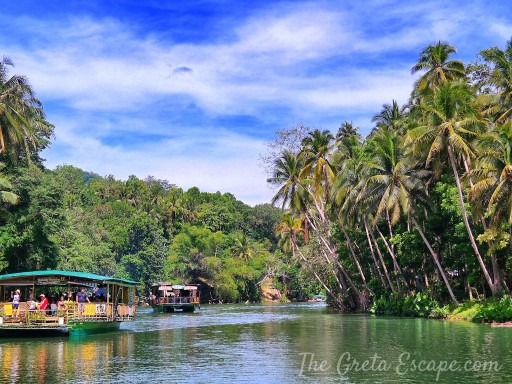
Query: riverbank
x,y
493,310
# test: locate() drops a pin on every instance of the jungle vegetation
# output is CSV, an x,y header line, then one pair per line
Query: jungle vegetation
x,y
420,208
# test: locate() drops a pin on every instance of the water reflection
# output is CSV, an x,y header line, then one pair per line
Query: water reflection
x,y
257,344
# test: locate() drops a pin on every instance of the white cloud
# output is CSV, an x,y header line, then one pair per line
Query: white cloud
x,y
313,61
218,161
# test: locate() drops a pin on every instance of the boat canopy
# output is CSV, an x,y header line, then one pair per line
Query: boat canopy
x,y
191,287
56,277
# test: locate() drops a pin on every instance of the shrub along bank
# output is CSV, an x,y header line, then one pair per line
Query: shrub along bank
x,y
420,304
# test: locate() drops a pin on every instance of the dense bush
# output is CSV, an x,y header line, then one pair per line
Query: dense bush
x,y
416,304
495,310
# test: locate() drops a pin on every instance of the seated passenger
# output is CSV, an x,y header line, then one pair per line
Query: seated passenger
x,y
53,308
43,305
32,305
62,303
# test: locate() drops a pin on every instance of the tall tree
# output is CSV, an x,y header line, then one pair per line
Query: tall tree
x,y
501,79
450,122
23,128
286,176
434,60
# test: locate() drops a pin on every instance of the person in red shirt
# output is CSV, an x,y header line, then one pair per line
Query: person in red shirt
x,y
43,305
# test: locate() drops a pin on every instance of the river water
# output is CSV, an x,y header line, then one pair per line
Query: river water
x,y
280,343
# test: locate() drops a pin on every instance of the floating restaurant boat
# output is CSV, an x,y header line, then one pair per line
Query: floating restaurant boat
x,y
167,297
112,303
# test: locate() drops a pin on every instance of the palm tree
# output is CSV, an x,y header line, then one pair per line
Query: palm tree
x,y
286,176
439,70
450,121
394,184
288,230
23,127
6,197
391,116
346,131
501,79
316,151
494,171
243,248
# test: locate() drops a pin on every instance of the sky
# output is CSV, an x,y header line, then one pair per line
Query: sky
x,y
191,91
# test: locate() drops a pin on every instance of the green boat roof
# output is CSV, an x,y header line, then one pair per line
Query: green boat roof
x,y
82,276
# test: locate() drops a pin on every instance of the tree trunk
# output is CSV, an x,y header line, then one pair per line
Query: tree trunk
x,y
354,256
319,279
381,257
377,266
398,270
466,222
436,261
494,261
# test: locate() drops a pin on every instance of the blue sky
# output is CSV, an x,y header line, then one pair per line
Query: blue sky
x,y
190,91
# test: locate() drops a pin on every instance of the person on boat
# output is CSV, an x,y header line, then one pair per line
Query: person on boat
x,y
16,303
32,305
81,299
43,305
62,303
53,307
101,293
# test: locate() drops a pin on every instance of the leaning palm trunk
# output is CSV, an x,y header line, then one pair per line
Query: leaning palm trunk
x,y
334,297
488,279
436,260
398,270
354,255
377,266
494,261
342,285
381,257
320,226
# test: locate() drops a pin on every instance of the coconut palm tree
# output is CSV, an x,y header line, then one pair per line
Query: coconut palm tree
x,y
393,187
6,196
286,176
450,122
317,148
346,130
23,127
392,116
243,248
494,171
501,79
434,60
288,230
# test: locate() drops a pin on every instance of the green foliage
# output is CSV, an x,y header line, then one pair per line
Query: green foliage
x,y
495,310
417,304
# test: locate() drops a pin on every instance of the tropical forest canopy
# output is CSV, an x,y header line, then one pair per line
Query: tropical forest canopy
x,y
422,204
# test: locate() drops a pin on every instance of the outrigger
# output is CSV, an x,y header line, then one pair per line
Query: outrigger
x,y
114,303
168,297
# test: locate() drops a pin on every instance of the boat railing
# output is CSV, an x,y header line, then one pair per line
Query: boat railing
x,y
72,312
179,300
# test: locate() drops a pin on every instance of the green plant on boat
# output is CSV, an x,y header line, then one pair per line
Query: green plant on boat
x,y
35,316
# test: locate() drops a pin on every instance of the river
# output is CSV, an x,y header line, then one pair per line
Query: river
x,y
280,343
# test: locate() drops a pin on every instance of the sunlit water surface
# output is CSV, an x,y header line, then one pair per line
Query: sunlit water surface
x,y
282,343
